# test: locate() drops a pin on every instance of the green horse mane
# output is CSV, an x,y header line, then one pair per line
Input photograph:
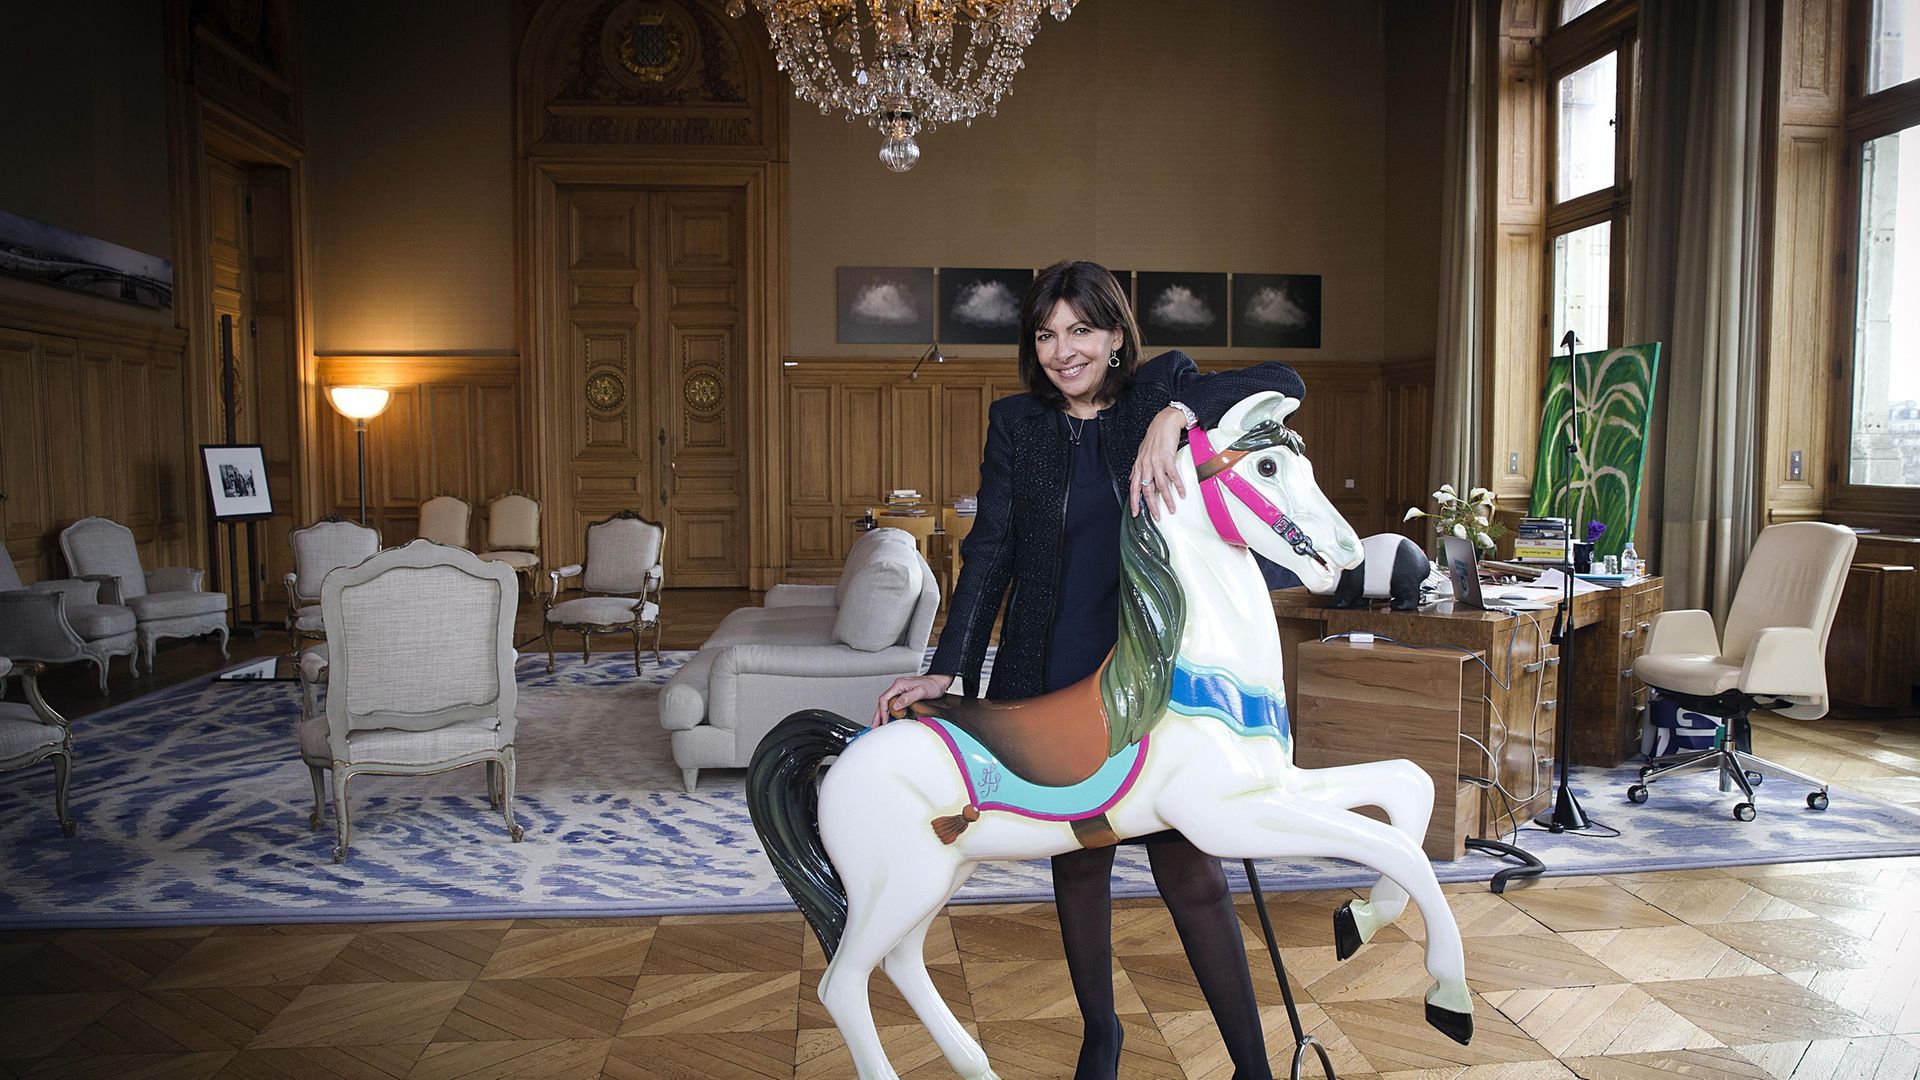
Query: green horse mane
x,y
1136,684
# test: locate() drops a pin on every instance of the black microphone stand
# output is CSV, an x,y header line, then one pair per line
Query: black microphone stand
x,y
1566,815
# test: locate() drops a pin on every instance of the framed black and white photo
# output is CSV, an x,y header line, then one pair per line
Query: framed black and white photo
x,y
1181,309
1276,311
886,305
981,307
237,482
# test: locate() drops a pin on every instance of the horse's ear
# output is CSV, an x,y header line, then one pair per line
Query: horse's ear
x,y
1259,408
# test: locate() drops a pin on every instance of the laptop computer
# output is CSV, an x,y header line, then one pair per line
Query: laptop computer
x,y
1463,567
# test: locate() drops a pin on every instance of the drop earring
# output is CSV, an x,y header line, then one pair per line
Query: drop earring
x,y
1113,359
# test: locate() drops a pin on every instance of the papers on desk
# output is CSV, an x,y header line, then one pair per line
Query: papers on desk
x,y
1555,583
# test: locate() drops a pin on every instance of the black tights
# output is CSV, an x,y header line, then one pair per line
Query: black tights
x,y
1195,891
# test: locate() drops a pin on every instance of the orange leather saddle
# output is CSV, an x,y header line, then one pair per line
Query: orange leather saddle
x,y
1054,740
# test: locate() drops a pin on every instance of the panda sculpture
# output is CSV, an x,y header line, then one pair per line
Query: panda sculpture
x,y
1394,568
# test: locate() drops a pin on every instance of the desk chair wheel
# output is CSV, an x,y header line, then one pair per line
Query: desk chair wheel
x,y
1744,812
1754,778
1816,800
1644,770
1637,793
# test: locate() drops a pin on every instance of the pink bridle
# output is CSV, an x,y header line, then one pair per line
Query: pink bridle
x,y
1216,472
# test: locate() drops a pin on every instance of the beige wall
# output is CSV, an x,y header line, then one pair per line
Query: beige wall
x,y
410,175
1418,41
83,133
1239,136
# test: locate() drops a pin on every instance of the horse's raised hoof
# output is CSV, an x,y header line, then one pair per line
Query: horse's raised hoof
x,y
1450,1011
1457,1026
1346,932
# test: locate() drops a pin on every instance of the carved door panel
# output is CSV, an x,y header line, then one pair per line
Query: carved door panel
x,y
652,378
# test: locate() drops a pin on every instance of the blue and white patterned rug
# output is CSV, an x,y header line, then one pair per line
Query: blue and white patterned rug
x,y
192,805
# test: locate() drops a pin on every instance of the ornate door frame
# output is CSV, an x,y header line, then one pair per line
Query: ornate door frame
x,y
707,114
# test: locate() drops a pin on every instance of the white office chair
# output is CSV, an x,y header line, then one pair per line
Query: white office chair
x,y
1772,656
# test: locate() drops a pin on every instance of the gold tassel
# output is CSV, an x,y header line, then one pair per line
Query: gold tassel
x,y
949,828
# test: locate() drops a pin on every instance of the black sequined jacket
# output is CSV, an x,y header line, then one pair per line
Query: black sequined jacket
x,y
1016,536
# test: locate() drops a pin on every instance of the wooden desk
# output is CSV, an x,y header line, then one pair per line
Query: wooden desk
x,y
1356,698
1609,633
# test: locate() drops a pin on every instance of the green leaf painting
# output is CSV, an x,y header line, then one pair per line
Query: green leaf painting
x,y
1613,392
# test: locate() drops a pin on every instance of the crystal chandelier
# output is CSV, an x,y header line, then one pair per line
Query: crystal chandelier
x,y
906,65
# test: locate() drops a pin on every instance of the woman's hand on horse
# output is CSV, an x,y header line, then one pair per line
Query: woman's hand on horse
x,y
906,690
1156,480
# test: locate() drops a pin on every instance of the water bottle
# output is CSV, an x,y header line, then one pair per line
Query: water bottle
x,y
1630,561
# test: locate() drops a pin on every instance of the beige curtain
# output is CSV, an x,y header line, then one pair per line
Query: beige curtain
x,y
1459,410
1694,267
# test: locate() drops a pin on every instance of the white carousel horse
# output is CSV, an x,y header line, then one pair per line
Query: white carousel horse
x,y
1184,727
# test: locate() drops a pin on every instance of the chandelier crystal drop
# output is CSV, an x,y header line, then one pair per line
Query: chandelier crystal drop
x,y
906,65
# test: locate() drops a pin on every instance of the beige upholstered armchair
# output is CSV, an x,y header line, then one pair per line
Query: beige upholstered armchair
x,y
620,580
62,621
444,519
166,603
324,546
418,670
33,732
513,535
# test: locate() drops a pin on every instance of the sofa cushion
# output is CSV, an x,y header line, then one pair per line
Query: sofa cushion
x,y
95,621
775,626
173,605
877,600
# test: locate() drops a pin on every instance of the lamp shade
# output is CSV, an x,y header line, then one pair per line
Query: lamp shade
x,y
360,402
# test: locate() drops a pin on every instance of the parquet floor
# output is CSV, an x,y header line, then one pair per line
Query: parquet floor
x,y
1804,971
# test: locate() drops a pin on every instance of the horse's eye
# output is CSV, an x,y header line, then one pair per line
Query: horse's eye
x,y
1267,467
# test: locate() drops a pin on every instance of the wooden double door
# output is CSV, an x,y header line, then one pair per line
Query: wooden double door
x,y
645,374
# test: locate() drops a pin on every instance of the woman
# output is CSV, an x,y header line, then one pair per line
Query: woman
x,y
1088,424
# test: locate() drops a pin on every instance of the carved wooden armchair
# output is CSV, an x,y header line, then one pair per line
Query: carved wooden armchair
x,y
166,603
320,548
418,671
513,535
62,621
620,585
33,733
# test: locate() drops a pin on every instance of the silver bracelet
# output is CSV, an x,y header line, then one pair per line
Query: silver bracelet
x,y
1192,420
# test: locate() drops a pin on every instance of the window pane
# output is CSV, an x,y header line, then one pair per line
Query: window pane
x,y
1581,280
1573,9
1893,44
1586,129
1886,336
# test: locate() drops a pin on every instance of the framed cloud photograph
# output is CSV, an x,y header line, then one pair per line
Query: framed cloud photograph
x,y
981,307
1181,309
885,305
237,481
1276,311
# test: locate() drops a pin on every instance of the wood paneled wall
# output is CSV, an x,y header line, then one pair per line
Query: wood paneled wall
x,y
858,428
93,423
454,427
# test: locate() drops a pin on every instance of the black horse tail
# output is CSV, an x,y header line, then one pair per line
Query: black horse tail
x,y
783,796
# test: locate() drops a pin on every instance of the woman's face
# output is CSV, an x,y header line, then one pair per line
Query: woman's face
x,y
1073,353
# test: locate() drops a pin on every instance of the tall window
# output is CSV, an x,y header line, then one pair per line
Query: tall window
x,y
1882,409
1589,74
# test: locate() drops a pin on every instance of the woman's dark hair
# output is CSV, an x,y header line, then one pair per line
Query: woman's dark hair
x,y
1097,297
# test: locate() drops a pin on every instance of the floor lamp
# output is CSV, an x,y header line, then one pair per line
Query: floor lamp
x,y
360,404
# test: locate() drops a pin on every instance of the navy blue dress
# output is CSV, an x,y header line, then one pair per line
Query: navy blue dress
x,y
1086,616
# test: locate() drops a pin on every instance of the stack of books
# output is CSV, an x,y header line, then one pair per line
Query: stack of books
x,y
966,505
904,502
1542,539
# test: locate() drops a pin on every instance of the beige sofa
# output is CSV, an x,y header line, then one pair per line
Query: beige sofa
x,y
833,647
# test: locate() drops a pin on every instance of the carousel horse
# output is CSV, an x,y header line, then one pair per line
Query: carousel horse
x,y
1183,727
